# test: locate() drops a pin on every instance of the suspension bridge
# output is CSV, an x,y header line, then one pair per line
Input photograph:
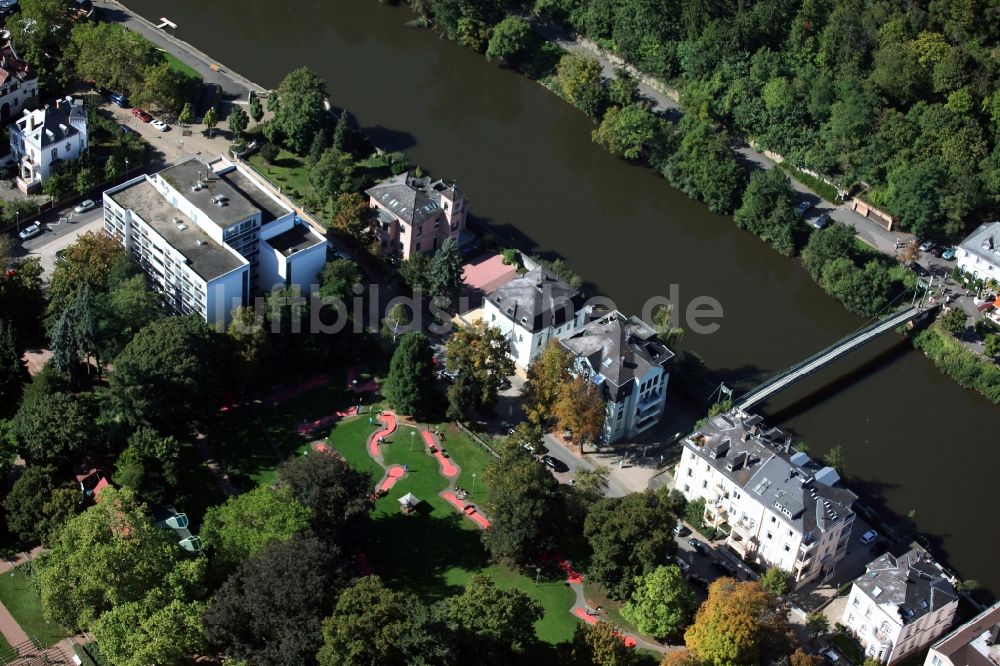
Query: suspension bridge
x,y
821,359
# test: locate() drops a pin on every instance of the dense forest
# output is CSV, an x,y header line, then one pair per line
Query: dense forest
x,y
897,101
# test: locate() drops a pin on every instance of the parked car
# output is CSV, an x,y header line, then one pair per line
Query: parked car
x,y
948,254
536,448
555,464
118,99
682,564
680,529
822,222
699,546
830,656
698,581
126,129
927,246
803,207
61,256
84,206
724,567
142,115
868,537
160,125
30,231
919,270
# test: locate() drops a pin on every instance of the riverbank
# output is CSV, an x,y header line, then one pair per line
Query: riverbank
x,y
532,174
964,366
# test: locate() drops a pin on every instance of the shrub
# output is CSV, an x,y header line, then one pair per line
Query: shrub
x,y
269,152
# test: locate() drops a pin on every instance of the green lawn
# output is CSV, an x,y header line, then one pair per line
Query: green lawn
x,y
289,172
443,549
181,67
17,594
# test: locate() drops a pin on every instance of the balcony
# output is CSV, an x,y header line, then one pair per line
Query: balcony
x,y
744,547
716,513
652,400
807,548
746,528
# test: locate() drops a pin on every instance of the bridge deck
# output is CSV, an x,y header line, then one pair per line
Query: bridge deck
x,y
844,346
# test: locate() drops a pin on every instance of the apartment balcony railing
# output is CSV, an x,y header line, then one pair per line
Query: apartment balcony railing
x,y
746,528
742,545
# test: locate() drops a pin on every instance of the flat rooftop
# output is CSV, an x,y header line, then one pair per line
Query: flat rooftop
x,y
299,237
206,258
270,207
184,176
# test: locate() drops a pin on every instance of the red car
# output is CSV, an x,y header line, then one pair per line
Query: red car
x,y
141,115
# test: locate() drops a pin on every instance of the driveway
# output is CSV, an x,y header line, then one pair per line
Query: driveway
x,y
59,230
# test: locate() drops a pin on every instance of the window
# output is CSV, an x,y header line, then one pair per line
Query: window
x,y
68,146
493,317
773,519
704,484
787,548
55,153
856,602
868,611
690,472
687,488
769,535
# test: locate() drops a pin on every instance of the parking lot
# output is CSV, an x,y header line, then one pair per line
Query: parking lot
x,y
59,230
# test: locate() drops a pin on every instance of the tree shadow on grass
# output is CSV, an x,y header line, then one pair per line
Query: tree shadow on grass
x,y
415,552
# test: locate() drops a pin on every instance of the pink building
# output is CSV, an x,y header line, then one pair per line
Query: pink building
x,y
416,214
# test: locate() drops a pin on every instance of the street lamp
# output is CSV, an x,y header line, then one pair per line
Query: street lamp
x,y
473,482
412,440
538,573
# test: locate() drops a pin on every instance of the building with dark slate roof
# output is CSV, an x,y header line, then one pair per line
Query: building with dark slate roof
x,y
623,356
531,310
900,605
44,139
416,215
780,507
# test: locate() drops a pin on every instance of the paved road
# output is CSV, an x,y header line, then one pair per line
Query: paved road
x,y
667,105
234,86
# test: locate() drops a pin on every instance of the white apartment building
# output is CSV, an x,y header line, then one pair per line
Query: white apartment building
x,y
210,236
416,215
531,310
18,83
979,253
780,507
623,356
975,643
900,605
45,138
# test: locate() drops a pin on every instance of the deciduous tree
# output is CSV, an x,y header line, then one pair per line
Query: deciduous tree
x,y
629,537
372,624
548,377
247,524
777,581
301,112
509,39
662,604
352,216
168,375
54,429
581,410
36,505
337,496
600,645
111,554
579,79
739,624
13,370
524,504
238,121
210,120
270,611
626,131
480,354
497,621
767,210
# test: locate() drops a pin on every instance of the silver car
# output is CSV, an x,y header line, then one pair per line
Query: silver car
x,y
30,231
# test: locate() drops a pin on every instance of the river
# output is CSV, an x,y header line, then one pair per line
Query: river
x,y
912,438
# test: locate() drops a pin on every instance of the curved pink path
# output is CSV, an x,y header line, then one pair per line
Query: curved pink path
x,y
468,509
448,468
390,426
585,616
392,475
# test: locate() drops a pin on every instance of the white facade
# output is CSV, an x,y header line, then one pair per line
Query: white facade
x,y
46,137
899,606
781,508
527,345
210,238
629,364
18,83
979,254
532,309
